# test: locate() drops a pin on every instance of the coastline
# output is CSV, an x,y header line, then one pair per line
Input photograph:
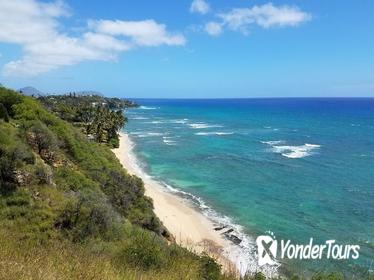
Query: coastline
x,y
189,227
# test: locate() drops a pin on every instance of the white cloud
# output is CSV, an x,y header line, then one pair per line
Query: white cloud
x,y
266,16
213,28
142,33
199,6
35,27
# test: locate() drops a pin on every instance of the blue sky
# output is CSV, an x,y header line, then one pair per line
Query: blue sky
x,y
187,48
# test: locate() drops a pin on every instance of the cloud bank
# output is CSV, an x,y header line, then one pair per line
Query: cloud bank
x,y
35,26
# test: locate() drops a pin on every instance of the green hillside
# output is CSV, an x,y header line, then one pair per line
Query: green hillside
x,y
68,210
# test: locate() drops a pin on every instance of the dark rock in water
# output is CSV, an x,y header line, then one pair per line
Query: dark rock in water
x,y
220,228
229,231
233,238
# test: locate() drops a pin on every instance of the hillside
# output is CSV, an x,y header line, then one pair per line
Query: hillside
x,y
68,208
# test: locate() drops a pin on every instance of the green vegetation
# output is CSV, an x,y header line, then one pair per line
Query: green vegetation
x,y
68,210
100,118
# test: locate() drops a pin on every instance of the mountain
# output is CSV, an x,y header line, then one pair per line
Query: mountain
x,y
31,91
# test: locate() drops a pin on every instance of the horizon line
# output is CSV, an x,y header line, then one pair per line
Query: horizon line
x,y
266,97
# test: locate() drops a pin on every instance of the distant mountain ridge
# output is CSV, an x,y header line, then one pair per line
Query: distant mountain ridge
x,y
31,91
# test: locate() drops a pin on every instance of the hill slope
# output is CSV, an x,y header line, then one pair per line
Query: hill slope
x,y
70,203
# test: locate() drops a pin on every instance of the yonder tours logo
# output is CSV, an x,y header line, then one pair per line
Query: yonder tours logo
x,y
269,251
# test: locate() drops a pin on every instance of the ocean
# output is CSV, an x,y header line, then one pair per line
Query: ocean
x,y
300,168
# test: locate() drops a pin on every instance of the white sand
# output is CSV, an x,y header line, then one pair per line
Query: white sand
x,y
189,227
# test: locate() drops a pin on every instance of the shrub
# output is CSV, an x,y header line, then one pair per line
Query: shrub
x,y
88,214
70,179
113,142
21,153
7,167
210,269
41,138
146,251
4,113
44,174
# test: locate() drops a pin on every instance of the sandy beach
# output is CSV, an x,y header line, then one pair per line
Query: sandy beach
x,y
189,227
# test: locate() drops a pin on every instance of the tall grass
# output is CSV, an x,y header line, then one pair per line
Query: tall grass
x,y
65,260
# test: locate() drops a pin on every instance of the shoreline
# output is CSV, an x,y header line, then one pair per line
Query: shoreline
x,y
189,227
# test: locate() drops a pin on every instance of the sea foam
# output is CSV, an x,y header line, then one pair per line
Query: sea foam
x,y
147,134
139,118
273,142
244,254
147,108
218,133
180,121
168,140
203,125
292,151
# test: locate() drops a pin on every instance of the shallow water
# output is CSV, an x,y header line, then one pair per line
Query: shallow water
x,y
300,168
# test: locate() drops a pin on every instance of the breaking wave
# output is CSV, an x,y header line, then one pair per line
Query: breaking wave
x,y
292,151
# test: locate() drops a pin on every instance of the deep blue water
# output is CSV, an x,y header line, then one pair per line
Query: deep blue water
x,y
300,168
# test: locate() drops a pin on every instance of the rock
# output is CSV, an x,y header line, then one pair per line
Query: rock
x,y
22,177
233,238
220,227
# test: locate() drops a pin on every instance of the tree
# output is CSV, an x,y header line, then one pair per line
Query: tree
x,y
116,121
42,138
86,115
9,98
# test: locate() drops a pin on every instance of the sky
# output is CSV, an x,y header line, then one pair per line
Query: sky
x,y
189,48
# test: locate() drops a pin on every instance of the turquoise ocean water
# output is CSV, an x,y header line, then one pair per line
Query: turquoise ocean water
x,y
300,168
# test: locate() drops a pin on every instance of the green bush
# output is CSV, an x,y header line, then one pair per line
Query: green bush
x,y
113,142
22,153
41,138
145,251
70,179
43,174
88,214
210,270
8,181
